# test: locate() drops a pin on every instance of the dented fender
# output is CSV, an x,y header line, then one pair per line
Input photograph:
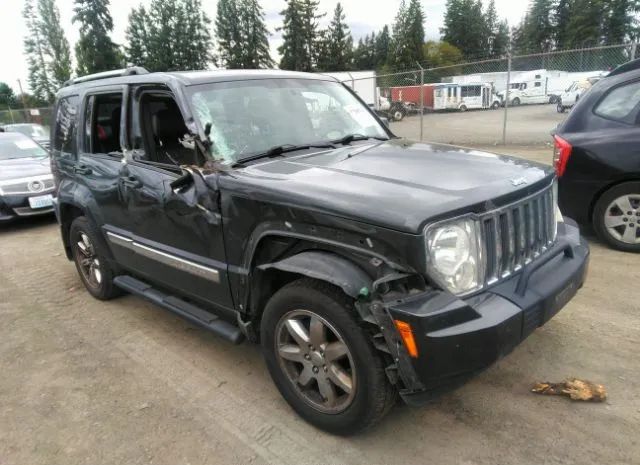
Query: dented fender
x,y
327,267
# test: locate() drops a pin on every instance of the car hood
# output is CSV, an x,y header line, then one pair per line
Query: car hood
x,y
396,184
24,168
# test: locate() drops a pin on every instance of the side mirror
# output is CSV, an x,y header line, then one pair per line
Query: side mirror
x,y
385,121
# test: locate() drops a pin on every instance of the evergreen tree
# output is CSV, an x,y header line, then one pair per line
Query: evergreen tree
x,y
538,31
501,39
255,35
620,21
465,28
339,42
229,34
55,48
496,31
95,52
177,36
137,36
382,47
7,96
300,35
38,76
585,23
561,17
408,36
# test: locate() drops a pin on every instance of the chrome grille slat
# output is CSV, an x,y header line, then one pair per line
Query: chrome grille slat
x,y
515,235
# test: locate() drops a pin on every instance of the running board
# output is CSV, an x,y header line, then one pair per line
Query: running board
x,y
178,306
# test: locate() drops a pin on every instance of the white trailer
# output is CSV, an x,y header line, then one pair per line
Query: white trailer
x,y
362,82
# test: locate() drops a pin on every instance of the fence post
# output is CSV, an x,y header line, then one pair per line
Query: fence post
x,y
506,99
421,100
11,115
634,46
376,105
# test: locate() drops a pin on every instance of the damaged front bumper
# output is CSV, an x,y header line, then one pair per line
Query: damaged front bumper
x,y
457,338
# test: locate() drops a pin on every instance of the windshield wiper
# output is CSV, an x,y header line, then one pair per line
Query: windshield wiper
x,y
353,137
279,150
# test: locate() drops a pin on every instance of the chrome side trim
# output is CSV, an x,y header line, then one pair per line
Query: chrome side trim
x,y
165,258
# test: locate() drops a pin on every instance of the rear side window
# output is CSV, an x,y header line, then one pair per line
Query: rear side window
x,y
621,103
102,123
65,129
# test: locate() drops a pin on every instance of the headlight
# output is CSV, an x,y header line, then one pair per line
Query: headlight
x,y
454,256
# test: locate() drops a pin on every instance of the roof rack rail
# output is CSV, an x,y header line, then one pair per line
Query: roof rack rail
x,y
626,67
131,71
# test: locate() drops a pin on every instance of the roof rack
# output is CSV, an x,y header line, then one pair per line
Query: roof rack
x,y
626,67
131,71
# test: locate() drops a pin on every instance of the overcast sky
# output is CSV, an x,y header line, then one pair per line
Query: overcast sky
x,y
363,16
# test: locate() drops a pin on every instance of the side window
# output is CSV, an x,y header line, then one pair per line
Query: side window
x,y
65,129
102,123
621,103
538,84
159,132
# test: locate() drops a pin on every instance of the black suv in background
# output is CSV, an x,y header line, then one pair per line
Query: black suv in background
x,y
276,206
597,159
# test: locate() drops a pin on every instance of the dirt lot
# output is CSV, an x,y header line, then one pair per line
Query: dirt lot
x,y
526,125
89,382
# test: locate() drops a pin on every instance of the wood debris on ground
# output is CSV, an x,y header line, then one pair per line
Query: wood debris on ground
x,y
576,389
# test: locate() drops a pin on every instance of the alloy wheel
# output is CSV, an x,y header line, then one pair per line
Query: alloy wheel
x,y
88,261
316,360
622,218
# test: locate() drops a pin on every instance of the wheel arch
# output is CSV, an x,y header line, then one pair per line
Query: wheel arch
x,y
67,212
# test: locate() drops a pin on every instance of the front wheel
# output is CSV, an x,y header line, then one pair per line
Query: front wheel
x,y
321,360
495,105
462,108
398,115
616,217
515,102
560,108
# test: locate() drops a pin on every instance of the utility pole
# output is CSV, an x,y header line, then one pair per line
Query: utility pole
x,y
24,102
421,99
506,99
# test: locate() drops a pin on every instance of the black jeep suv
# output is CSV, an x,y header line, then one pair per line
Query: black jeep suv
x,y
277,207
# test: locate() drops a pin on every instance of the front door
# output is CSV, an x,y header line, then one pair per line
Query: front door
x,y
176,230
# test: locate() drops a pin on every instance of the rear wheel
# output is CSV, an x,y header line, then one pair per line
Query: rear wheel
x,y
398,114
560,108
495,105
616,217
321,360
515,102
462,108
89,255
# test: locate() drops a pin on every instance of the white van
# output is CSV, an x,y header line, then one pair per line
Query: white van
x,y
464,97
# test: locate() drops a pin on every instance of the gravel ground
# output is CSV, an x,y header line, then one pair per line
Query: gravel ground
x,y
526,125
90,382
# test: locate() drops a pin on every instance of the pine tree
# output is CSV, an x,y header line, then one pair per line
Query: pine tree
x,y
538,31
229,34
415,31
193,36
38,76
620,21
382,48
338,43
137,36
585,23
255,36
95,51
7,96
300,35
465,28
56,48
561,18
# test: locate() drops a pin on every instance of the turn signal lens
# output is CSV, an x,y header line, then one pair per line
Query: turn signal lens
x,y
406,333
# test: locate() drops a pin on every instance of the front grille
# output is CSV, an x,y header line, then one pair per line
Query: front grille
x,y
34,185
518,233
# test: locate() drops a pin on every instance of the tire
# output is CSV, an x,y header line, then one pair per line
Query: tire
x,y
616,221
462,108
398,115
495,105
90,256
515,102
372,395
560,108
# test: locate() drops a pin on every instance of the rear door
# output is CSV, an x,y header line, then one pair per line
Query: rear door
x,y
175,230
99,162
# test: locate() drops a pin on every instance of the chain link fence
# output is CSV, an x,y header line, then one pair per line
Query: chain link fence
x,y
509,100
42,116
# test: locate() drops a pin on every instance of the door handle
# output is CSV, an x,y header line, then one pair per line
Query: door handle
x,y
82,169
132,181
